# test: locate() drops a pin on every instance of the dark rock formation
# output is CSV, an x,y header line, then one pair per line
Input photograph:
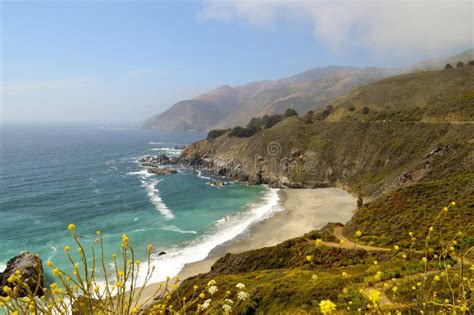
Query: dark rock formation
x,y
31,269
161,170
217,183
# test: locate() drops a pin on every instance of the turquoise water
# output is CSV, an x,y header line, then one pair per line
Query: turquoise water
x,y
51,176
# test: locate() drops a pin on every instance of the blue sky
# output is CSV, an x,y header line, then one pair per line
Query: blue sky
x,y
121,61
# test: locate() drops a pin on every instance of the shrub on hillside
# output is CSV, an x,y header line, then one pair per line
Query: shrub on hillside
x,y
470,62
216,133
460,64
241,132
290,112
448,66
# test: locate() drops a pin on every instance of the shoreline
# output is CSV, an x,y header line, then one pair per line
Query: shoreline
x,y
304,210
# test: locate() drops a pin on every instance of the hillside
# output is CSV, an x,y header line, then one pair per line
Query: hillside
x,y
229,106
431,96
411,241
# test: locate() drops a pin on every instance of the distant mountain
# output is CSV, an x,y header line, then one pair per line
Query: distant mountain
x,y
314,89
229,106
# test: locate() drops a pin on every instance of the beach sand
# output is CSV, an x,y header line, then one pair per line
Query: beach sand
x,y
303,210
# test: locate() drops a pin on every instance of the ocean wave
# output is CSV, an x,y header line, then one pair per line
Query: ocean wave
x,y
199,174
2,267
155,198
173,228
153,192
226,230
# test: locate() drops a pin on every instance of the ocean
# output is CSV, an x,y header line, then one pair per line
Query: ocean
x,y
89,175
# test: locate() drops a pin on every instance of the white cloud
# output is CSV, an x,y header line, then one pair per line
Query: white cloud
x,y
399,27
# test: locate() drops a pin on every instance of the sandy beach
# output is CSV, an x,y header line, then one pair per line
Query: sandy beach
x,y
303,210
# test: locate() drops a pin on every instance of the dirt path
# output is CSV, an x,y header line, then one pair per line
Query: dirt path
x,y
348,244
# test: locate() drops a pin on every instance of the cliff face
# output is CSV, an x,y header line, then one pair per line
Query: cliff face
x,y
367,158
355,149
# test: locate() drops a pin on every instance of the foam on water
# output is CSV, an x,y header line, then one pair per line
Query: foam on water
x,y
225,230
153,193
173,228
199,174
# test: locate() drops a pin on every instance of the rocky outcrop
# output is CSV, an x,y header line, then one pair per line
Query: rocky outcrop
x,y
161,170
153,160
30,268
363,158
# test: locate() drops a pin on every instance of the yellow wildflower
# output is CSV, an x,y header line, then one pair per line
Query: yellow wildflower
x,y
445,209
424,260
150,248
56,272
309,258
327,307
376,262
358,234
431,229
49,263
71,227
11,279
374,296
202,295
341,242
453,203
395,289
436,278
66,249
344,274
396,248
318,242
345,291
314,277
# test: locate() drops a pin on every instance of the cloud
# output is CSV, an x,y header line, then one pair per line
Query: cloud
x,y
399,27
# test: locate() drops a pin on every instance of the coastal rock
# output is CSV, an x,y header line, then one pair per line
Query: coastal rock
x,y
161,170
31,268
217,183
158,159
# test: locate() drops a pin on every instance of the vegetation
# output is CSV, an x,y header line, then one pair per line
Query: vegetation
x,y
303,275
81,291
290,112
216,133
430,96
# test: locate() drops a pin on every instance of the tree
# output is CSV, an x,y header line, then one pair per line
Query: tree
x,y
460,64
290,112
470,62
310,114
448,66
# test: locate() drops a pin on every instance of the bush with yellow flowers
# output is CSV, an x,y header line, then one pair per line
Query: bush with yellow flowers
x,y
117,292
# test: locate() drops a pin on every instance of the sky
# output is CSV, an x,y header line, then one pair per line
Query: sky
x,y
115,61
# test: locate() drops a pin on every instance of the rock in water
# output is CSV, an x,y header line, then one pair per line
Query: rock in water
x,y
31,269
161,170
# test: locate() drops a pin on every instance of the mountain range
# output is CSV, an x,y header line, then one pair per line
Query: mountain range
x,y
310,90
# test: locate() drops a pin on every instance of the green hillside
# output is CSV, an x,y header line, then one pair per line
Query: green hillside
x,y
431,96
409,155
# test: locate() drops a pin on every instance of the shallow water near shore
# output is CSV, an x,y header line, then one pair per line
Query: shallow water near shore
x,y
51,176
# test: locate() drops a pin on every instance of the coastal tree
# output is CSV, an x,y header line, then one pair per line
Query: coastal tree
x,y
460,64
